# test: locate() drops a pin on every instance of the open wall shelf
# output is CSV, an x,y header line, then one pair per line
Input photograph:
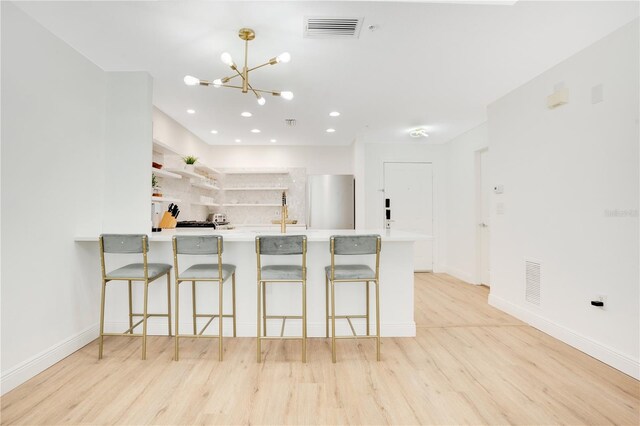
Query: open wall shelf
x,y
165,173
165,199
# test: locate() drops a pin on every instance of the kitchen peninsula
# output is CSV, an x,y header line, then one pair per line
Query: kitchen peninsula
x,y
396,278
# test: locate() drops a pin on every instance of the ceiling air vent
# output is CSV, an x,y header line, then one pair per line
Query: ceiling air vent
x,y
323,27
290,122
532,278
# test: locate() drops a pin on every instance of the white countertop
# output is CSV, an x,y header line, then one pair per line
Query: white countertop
x,y
249,235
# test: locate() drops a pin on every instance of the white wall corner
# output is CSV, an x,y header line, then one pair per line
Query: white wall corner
x,y
599,351
45,359
466,276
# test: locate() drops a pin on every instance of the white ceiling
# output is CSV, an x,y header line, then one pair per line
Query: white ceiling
x,y
435,64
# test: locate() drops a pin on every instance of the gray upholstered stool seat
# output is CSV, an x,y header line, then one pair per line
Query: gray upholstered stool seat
x,y
281,272
351,272
136,270
204,271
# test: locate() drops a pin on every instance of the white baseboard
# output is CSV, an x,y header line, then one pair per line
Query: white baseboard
x,y
45,359
602,352
461,275
158,327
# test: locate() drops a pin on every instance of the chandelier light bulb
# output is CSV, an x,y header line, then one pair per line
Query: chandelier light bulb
x,y
287,95
190,80
226,58
261,101
217,83
283,57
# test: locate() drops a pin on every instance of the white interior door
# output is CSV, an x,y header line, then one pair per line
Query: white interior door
x,y
409,189
484,229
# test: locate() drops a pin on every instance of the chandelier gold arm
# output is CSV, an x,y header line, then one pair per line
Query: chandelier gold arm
x,y
246,34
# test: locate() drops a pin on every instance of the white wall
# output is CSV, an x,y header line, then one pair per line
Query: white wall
x,y
375,155
461,221
563,170
53,104
316,159
172,133
359,167
54,186
128,152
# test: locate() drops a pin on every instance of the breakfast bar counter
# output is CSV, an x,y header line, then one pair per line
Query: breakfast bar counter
x,y
396,283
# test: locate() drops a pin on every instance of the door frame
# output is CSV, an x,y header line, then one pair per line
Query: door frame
x,y
478,212
434,244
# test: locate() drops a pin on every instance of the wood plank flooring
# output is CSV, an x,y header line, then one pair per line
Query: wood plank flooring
x,y
468,364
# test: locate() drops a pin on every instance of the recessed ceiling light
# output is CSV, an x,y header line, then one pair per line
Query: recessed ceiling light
x,y
418,133
215,132
238,140
255,130
273,141
246,114
334,114
331,130
191,111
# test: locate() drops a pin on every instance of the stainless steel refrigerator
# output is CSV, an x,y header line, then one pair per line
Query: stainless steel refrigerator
x,y
330,202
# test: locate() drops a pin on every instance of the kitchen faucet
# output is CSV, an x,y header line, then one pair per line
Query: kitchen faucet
x,y
284,214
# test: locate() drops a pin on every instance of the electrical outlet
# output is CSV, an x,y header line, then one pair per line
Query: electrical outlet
x,y
602,298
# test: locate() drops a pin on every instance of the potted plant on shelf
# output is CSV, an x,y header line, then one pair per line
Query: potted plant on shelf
x,y
155,186
189,163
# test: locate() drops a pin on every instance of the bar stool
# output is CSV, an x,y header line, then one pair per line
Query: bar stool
x,y
352,245
281,246
217,271
146,272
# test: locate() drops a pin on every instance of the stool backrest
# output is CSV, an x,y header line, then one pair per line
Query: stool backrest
x,y
198,244
355,244
124,243
281,244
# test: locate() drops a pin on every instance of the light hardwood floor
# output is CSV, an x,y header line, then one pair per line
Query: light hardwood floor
x,y
468,364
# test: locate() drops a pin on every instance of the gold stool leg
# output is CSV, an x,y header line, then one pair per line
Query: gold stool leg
x,y
233,301
177,339
220,320
101,344
130,310
333,322
259,352
264,308
144,320
193,302
304,321
169,301
326,300
377,320
367,284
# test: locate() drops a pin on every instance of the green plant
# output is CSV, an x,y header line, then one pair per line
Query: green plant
x,y
190,159
154,181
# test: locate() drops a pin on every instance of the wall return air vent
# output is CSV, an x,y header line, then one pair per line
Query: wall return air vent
x,y
532,279
324,27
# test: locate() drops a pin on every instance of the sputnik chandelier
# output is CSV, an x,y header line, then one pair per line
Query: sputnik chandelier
x,y
246,34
